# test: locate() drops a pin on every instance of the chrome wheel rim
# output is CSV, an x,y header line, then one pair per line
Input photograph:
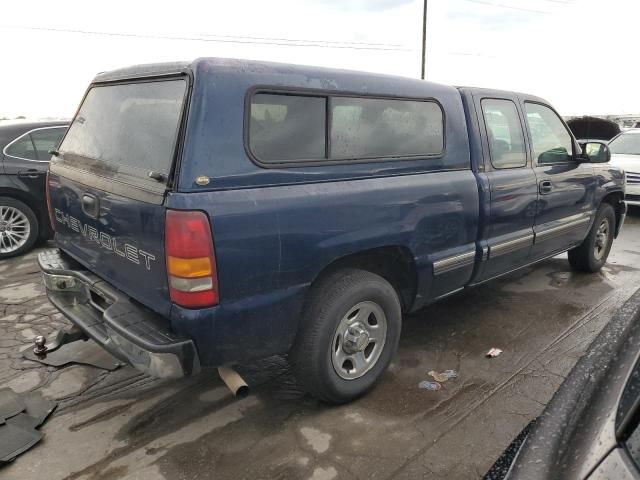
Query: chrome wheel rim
x,y
602,239
14,229
359,340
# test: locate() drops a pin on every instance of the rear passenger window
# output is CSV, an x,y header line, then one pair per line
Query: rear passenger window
x,y
373,127
45,140
287,127
23,148
504,131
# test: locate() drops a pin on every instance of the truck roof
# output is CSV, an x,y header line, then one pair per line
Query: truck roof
x,y
500,93
240,66
323,74
142,70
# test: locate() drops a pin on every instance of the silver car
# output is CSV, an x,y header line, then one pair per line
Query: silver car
x,y
625,153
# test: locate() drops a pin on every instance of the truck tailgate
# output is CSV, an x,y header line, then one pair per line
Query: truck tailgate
x,y
124,244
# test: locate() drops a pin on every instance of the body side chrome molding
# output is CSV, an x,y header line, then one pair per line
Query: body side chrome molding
x,y
533,262
509,246
451,263
568,223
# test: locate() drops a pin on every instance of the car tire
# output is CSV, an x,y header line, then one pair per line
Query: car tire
x,y
591,255
348,336
18,227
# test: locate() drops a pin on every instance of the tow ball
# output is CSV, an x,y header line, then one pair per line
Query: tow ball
x,y
40,348
64,336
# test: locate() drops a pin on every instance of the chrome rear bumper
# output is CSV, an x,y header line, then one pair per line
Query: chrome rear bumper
x,y
125,328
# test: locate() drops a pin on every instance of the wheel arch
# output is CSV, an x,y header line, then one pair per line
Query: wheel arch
x,y
615,199
30,202
394,263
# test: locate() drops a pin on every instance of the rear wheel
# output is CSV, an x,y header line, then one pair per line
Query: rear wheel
x,y
18,227
591,255
348,336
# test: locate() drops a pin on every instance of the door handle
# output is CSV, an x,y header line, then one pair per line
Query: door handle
x,y
545,187
90,205
31,173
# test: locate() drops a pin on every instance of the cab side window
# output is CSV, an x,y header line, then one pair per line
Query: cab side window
x,y
504,131
551,142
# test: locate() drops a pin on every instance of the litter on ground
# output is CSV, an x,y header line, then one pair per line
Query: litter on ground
x,y
494,352
427,385
443,376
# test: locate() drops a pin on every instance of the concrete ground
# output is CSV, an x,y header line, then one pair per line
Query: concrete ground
x,y
125,425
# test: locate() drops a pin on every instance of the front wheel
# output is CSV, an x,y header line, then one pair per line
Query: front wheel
x,y
348,335
591,254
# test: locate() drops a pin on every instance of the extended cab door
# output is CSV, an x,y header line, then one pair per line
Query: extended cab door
x,y
566,186
512,185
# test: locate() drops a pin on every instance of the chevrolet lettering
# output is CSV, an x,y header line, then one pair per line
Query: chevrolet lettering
x,y
125,250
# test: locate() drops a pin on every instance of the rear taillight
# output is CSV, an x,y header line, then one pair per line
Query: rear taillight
x,y
191,262
49,207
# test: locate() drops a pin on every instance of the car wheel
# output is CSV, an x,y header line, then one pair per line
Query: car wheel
x,y
18,227
592,253
348,336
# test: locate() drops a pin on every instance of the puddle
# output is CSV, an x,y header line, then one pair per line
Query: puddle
x,y
316,439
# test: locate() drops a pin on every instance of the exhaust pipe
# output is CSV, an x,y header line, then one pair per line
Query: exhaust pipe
x,y
234,382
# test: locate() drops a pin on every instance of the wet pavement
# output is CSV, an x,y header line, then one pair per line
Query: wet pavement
x,y
122,424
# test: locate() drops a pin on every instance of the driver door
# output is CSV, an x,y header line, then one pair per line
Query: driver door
x,y
566,186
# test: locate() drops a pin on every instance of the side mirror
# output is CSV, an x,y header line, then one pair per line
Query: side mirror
x,y
596,152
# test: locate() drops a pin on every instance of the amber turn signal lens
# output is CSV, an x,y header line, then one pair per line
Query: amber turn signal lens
x,y
189,267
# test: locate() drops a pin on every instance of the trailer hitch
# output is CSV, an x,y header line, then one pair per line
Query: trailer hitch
x,y
67,335
78,348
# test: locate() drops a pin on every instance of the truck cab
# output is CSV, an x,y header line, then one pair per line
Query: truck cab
x,y
541,191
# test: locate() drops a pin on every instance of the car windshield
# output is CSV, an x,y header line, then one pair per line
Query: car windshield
x,y
626,144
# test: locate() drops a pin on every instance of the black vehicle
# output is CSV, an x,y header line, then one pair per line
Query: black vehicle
x,y
24,163
591,427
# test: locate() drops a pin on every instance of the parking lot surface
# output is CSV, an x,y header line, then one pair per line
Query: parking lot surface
x,y
124,424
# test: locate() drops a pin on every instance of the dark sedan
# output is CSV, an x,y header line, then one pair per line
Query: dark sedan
x,y
591,428
24,162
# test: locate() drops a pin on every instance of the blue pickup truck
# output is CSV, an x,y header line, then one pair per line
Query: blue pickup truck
x,y
212,212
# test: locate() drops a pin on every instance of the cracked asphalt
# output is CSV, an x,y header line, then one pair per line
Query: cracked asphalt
x,y
124,425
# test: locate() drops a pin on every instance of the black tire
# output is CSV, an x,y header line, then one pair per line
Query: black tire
x,y
585,257
32,223
331,299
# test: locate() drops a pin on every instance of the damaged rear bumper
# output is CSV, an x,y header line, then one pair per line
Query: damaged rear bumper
x,y
126,329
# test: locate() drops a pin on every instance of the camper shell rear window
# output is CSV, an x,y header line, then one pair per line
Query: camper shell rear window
x,y
129,126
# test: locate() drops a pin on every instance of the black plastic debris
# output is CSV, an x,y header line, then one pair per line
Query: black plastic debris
x,y
38,407
10,403
24,421
23,414
15,440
